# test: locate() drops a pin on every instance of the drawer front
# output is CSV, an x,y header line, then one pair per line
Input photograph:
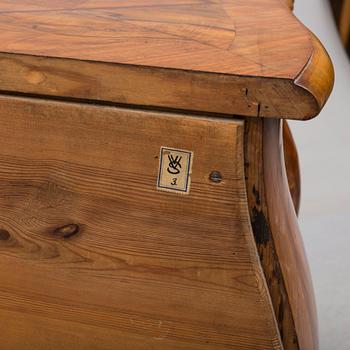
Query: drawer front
x,y
96,254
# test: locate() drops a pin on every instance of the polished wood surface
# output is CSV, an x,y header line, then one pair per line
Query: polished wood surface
x,y
291,157
291,160
277,235
290,4
344,23
318,74
188,35
264,65
258,209
94,256
287,239
341,11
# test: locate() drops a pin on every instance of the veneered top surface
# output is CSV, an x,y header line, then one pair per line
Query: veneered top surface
x,y
242,57
244,37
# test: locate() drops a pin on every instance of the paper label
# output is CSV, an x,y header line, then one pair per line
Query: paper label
x,y
175,170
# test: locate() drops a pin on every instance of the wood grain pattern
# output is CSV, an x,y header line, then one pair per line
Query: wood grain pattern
x,y
277,235
291,157
182,47
169,34
94,254
256,199
147,269
141,86
318,74
287,239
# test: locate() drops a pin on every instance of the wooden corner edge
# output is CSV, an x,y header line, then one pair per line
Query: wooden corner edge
x,y
317,78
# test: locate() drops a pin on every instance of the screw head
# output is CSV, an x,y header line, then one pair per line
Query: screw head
x,y
215,176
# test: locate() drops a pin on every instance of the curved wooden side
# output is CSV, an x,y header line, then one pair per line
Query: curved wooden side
x,y
255,185
287,239
291,160
277,236
317,78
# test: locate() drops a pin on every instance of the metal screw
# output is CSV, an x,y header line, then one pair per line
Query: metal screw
x,y
215,176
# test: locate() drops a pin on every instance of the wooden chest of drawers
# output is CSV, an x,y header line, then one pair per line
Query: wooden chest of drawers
x,y
144,202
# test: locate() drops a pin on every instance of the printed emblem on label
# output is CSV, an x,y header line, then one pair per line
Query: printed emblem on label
x,y
174,170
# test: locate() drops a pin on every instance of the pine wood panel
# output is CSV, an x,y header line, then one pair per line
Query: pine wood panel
x,y
147,269
256,65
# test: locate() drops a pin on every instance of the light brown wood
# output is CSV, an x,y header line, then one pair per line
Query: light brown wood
x,y
97,253
256,199
142,268
318,74
291,157
187,35
341,13
194,52
290,4
291,160
277,236
344,22
287,239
